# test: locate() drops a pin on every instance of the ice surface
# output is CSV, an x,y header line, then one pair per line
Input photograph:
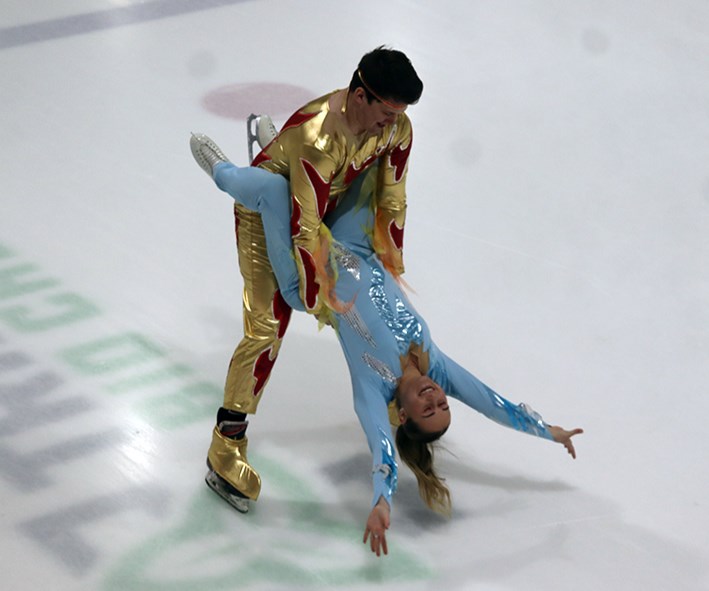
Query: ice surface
x,y
557,239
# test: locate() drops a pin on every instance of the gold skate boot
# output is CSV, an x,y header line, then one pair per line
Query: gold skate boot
x,y
230,474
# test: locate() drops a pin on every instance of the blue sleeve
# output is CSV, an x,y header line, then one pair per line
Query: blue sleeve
x,y
268,194
460,384
373,414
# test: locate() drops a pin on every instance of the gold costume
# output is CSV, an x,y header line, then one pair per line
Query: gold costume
x,y
321,158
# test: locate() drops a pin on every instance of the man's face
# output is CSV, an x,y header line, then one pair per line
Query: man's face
x,y
377,115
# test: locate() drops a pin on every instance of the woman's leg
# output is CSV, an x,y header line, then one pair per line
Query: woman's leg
x,y
267,194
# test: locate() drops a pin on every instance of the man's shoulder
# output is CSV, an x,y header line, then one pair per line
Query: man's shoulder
x,y
403,123
311,113
311,133
403,118
398,135
319,104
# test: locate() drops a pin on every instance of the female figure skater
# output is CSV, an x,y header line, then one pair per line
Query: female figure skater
x,y
394,364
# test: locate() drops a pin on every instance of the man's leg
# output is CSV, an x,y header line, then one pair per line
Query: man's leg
x,y
266,317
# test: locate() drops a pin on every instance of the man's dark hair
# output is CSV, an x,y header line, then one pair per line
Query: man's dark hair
x,y
387,74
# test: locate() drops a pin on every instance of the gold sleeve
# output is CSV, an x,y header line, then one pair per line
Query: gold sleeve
x,y
391,199
311,174
307,156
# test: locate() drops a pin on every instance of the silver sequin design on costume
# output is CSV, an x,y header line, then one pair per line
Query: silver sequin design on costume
x,y
380,367
355,321
350,263
346,259
401,322
522,417
536,423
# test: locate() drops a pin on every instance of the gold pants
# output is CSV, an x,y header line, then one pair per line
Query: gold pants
x,y
266,317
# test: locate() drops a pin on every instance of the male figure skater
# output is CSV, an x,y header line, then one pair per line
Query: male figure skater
x,y
320,150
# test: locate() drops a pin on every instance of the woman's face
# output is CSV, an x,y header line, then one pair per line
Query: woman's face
x,y
423,401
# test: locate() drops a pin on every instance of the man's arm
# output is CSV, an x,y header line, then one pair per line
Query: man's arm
x,y
391,199
303,156
311,173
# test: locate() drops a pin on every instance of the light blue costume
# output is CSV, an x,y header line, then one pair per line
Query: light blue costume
x,y
378,327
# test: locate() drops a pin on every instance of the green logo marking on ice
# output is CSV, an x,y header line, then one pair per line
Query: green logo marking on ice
x,y
55,345
285,542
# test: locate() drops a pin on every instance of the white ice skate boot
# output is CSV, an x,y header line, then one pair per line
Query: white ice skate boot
x,y
261,130
206,153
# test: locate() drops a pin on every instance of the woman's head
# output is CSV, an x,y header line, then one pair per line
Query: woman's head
x,y
424,416
423,402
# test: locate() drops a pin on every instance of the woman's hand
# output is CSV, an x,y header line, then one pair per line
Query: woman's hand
x,y
563,436
377,524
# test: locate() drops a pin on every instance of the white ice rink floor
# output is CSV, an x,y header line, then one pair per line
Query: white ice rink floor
x,y
557,239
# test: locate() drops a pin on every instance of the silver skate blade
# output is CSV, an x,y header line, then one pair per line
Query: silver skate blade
x,y
251,135
219,486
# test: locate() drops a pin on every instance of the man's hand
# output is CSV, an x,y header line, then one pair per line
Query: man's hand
x,y
563,436
377,524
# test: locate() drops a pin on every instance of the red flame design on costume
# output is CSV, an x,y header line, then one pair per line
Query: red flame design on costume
x,y
264,363
295,120
353,171
398,159
281,312
262,370
310,295
296,212
261,157
397,234
298,118
321,187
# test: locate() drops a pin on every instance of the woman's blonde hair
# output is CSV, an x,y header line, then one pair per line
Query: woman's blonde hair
x,y
415,447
